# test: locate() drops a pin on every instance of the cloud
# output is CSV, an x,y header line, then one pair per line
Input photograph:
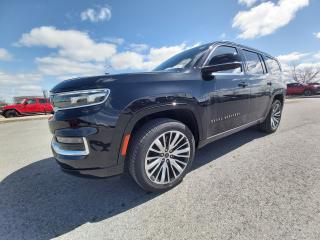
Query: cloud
x,y
117,41
317,35
57,66
78,55
71,44
19,84
292,57
127,60
299,61
5,55
148,61
96,15
267,17
248,3
138,47
317,55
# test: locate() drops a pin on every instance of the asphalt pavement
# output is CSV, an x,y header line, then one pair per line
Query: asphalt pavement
x,y
247,186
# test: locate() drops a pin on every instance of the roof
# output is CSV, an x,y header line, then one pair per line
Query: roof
x,y
28,97
242,46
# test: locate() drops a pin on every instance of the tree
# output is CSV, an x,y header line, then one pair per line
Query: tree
x,y
305,74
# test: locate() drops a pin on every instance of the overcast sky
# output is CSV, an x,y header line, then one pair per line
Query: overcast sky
x,y
44,42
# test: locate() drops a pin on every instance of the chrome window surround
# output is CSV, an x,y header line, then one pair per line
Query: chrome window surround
x,y
56,147
106,90
213,48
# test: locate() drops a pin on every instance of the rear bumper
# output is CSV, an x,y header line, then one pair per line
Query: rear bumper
x,y
101,142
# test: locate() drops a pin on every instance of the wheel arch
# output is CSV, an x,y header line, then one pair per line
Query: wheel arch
x,y
280,97
11,109
184,115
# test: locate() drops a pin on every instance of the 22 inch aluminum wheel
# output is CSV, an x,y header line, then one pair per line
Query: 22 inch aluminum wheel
x,y
167,157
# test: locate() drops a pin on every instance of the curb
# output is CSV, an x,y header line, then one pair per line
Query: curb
x,y
21,119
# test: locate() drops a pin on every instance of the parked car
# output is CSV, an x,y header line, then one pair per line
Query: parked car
x,y
153,122
28,106
302,89
316,84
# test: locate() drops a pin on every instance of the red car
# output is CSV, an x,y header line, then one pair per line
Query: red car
x,y
28,106
305,89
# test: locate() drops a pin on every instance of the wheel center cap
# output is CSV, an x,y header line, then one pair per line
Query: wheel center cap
x,y
166,155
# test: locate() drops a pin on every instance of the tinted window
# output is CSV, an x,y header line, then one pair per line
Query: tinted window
x,y
42,101
223,55
254,65
31,101
273,66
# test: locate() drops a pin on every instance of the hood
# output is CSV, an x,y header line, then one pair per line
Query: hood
x,y
18,105
107,81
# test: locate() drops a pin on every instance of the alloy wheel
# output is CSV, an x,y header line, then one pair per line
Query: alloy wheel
x,y
276,115
167,157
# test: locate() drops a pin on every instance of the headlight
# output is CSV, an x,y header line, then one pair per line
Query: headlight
x,y
76,99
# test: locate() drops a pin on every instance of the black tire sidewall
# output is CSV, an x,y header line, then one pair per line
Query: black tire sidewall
x,y
307,93
10,114
147,136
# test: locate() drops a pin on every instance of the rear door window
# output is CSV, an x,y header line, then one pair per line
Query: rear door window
x,y
42,101
254,64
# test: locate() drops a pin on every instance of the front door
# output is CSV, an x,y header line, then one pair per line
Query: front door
x,y
228,91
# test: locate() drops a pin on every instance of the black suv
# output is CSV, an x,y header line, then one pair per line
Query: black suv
x,y
153,122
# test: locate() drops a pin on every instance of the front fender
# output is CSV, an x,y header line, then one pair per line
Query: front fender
x,y
133,114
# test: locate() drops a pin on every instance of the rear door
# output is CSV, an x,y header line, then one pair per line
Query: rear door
x,y
229,92
30,106
42,105
48,106
260,89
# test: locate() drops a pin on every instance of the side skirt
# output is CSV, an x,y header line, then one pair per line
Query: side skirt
x,y
228,132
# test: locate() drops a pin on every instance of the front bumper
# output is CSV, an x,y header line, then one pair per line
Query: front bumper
x,y
100,154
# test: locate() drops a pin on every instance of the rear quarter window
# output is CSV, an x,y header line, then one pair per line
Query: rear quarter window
x,y
272,65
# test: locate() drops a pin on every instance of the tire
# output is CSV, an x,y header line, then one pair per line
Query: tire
x,y
307,92
11,113
272,121
141,154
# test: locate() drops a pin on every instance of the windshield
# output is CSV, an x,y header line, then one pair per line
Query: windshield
x,y
183,59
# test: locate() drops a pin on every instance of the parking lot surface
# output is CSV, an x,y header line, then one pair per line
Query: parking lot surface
x,y
247,186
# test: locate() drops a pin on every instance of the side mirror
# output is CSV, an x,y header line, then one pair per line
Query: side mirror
x,y
208,70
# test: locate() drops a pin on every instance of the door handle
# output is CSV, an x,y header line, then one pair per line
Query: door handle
x,y
243,84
